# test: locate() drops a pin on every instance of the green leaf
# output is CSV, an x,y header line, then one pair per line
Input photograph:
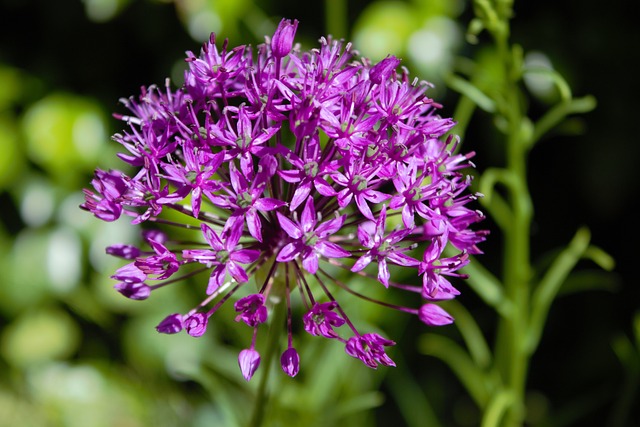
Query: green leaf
x,y
474,379
472,92
401,384
550,283
558,113
471,333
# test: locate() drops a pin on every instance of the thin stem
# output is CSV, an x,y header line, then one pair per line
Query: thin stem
x,y
257,417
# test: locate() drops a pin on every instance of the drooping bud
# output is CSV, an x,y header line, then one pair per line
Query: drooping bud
x,y
290,362
249,361
136,291
123,251
282,40
172,324
196,324
434,315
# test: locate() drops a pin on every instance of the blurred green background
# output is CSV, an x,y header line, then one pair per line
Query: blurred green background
x,y
73,352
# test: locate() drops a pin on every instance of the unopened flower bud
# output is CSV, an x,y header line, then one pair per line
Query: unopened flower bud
x,y
434,315
282,40
249,361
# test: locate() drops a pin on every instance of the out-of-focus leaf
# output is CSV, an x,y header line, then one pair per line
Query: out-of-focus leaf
x,y
383,28
39,335
474,379
65,135
12,158
103,10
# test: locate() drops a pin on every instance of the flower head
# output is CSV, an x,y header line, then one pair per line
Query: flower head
x,y
289,162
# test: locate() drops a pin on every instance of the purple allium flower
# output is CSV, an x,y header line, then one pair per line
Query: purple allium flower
x,y
284,163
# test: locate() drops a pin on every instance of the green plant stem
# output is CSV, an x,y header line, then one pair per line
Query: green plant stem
x,y
512,358
257,417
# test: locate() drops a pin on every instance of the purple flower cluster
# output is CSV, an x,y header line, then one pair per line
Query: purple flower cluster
x,y
288,166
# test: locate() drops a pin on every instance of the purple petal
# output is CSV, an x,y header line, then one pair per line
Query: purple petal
x,y
402,259
237,272
245,256
130,273
383,272
212,237
254,224
288,253
362,262
331,250
290,227
310,262
364,208
308,218
217,278
383,69
324,187
300,195
330,227
267,204
252,310
366,232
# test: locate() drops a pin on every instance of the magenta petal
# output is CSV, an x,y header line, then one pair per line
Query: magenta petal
x,y
323,187
289,226
383,273
308,218
130,273
310,262
288,253
249,361
366,231
362,262
290,362
245,256
383,69
254,224
211,237
402,259
216,279
267,204
330,227
237,272
300,195
364,207
331,250
407,217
